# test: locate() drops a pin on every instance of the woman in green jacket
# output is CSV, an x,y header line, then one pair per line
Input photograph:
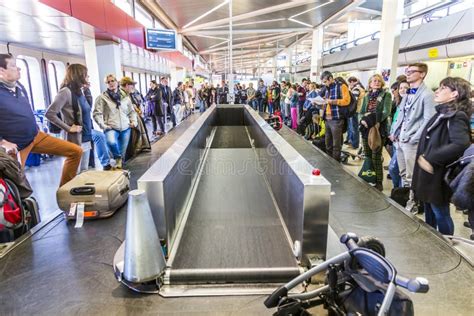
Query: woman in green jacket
x,y
375,110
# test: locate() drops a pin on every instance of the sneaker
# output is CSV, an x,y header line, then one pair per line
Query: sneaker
x,y
118,163
107,168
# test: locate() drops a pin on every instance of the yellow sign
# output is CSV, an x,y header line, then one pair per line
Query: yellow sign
x,y
433,53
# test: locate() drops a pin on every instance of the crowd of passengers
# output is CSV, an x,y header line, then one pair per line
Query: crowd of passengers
x,y
423,131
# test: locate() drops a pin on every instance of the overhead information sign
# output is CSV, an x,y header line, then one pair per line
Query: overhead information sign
x,y
160,39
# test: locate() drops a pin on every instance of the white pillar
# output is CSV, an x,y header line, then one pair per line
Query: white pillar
x,y
108,57
274,69
231,60
92,64
389,44
316,51
289,62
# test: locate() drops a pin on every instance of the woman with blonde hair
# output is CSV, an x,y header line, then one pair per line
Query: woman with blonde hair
x,y
375,110
75,111
114,113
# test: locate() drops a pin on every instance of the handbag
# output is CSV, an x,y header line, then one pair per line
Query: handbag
x,y
367,172
374,138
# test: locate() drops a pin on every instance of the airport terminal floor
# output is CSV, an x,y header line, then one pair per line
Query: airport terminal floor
x,y
228,157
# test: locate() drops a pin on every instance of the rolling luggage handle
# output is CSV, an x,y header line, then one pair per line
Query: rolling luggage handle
x,y
85,190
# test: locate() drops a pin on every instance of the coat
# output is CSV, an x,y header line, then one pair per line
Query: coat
x,y
442,142
418,114
153,97
63,104
107,113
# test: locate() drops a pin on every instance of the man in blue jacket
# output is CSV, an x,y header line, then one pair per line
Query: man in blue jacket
x,y
18,130
416,109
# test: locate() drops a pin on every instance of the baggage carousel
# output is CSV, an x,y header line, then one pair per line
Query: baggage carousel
x,y
65,270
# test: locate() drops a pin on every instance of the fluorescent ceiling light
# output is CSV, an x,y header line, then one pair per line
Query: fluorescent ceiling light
x,y
246,23
302,23
306,11
219,44
208,36
206,14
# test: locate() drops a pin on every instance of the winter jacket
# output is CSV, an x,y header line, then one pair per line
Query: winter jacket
x,y
108,113
442,142
412,120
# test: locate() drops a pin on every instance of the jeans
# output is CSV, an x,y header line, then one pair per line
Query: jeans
x,y
101,147
406,157
47,144
260,105
84,160
393,169
254,104
438,217
270,107
353,131
202,106
161,122
117,141
333,138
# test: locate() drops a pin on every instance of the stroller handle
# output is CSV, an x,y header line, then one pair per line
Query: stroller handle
x,y
416,285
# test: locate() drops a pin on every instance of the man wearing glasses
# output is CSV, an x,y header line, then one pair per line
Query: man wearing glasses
x,y
415,111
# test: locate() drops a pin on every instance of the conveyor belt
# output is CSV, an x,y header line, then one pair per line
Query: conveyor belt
x,y
231,137
233,226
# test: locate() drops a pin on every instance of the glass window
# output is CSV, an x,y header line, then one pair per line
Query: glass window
x,y
31,78
460,6
125,5
142,16
142,83
25,78
56,73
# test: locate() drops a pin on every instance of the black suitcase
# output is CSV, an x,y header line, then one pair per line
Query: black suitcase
x,y
400,195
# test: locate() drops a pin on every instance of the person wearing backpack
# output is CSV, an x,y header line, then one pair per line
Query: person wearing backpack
x,y
442,141
358,93
375,110
337,97
75,111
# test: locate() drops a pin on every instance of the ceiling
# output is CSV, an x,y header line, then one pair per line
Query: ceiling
x,y
261,29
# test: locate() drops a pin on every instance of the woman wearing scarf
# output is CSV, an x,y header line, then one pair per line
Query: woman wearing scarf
x,y
442,142
114,113
75,111
375,110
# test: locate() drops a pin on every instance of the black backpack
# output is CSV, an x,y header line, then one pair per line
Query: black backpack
x,y
351,109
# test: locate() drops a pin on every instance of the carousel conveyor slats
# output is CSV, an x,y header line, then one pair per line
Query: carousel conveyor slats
x,y
233,232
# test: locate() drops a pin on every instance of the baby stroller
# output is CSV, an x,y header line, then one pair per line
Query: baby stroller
x,y
360,281
19,211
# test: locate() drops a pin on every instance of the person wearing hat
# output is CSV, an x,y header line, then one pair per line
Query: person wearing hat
x,y
114,113
138,136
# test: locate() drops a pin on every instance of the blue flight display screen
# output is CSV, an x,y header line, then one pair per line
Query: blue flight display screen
x,y
160,39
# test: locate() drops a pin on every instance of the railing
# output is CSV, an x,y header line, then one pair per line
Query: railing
x,y
425,17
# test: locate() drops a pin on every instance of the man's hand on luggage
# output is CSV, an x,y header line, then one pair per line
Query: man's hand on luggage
x,y
75,129
11,148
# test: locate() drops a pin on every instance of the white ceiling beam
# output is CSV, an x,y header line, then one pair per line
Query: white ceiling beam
x,y
368,11
270,39
267,10
249,31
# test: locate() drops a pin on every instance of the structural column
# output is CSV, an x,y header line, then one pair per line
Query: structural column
x,y
274,68
102,58
289,62
389,44
316,51
230,98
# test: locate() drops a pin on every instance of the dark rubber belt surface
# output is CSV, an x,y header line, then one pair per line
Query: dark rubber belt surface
x,y
231,137
233,223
